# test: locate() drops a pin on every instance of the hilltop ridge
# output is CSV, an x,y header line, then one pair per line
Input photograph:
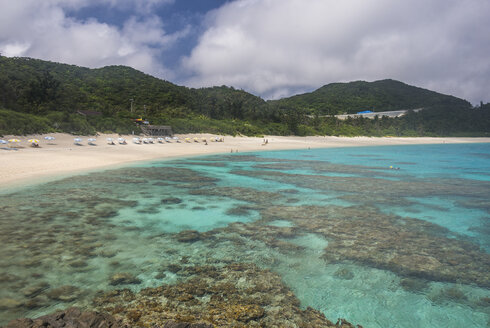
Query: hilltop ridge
x,y
377,96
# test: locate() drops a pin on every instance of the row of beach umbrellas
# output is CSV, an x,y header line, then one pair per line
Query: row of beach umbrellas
x,y
214,139
111,141
32,141
138,140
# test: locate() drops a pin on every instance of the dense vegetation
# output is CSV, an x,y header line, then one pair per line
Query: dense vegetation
x,y
38,96
378,96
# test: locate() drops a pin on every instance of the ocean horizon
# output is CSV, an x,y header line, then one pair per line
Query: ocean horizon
x,y
380,236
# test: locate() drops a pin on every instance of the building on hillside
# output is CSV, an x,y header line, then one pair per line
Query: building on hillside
x,y
156,130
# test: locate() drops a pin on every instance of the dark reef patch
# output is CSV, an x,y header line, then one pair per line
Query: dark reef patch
x,y
236,295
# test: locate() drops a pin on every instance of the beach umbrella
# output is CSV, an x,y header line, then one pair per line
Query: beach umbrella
x,y
136,140
13,141
34,142
150,140
168,139
77,140
3,142
110,141
187,139
196,140
122,141
49,138
160,140
145,140
91,141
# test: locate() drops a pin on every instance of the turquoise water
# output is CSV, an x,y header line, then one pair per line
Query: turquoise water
x,y
381,236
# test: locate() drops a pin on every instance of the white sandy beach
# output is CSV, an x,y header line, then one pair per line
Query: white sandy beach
x,y
61,157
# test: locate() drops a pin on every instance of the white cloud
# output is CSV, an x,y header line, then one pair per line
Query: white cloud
x,y
270,46
14,49
41,29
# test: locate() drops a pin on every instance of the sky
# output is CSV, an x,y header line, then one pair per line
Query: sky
x,y
271,48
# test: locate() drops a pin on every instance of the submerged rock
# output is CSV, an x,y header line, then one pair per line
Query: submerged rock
x,y
449,294
344,273
171,200
174,324
123,278
238,211
65,293
246,313
31,291
188,236
9,303
414,285
72,317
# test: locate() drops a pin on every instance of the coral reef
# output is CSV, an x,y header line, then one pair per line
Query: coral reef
x,y
123,278
236,295
406,246
121,223
388,189
72,317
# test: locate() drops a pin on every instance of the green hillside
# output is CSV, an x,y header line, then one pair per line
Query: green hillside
x,y
378,96
55,92
30,85
38,96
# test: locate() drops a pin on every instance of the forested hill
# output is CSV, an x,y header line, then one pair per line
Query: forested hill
x,y
31,85
378,96
38,96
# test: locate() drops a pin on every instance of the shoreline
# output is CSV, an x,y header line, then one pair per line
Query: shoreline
x,y
61,158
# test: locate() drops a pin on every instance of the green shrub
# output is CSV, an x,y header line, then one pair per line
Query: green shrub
x,y
21,124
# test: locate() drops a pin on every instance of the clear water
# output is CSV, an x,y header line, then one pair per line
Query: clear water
x,y
381,236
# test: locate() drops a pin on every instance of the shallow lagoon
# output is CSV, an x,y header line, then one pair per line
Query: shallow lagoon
x,y
351,237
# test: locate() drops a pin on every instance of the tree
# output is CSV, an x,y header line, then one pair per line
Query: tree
x,y
44,89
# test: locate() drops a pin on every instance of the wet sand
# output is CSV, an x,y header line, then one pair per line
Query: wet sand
x,y
61,157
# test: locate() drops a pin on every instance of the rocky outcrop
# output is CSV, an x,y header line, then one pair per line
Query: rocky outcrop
x,y
72,318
